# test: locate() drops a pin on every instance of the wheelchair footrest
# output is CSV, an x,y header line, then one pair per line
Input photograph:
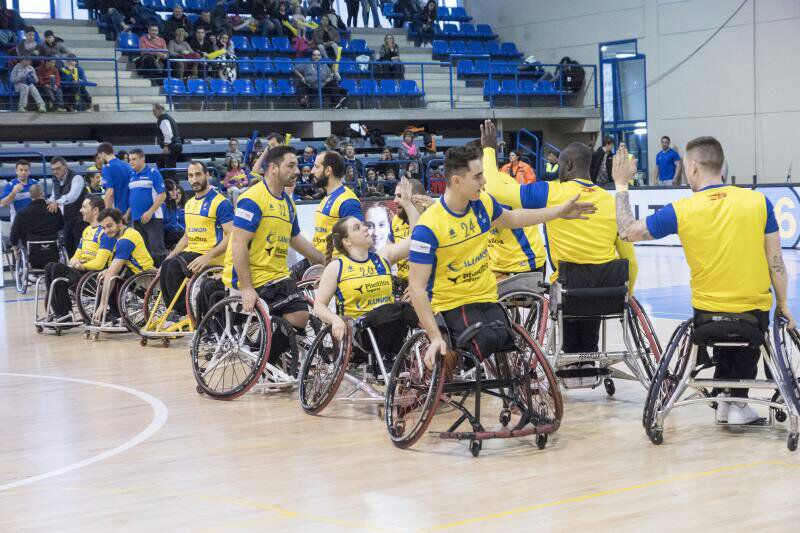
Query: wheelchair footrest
x,y
585,372
505,434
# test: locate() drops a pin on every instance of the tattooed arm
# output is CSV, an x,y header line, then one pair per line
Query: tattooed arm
x,y
629,228
777,272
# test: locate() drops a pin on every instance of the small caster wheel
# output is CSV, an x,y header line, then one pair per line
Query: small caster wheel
x,y
58,332
165,342
541,440
39,329
791,443
656,436
780,415
143,341
94,336
86,335
505,417
475,447
610,387
199,390
399,428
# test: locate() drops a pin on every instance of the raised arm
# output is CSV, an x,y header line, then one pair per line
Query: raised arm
x,y
521,218
777,273
624,169
323,296
398,251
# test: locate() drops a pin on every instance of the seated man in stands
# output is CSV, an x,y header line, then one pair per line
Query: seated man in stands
x,y
151,64
17,191
37,223
315,77
326,38
130,254
177,20
93,253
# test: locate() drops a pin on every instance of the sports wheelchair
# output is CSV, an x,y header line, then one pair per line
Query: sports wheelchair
x,y
31,257
45,318
159,321
129,299
598,292
357,358
232,351
683,362
521,379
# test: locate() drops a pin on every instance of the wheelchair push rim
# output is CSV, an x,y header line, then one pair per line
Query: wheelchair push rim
x,y
323,369
131,300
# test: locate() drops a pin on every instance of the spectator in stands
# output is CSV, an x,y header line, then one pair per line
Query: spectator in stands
x,y
352,12
384,164
147,194
668,164
144,16
151,64
258,150
10,23
409,8
226,70
24,80
36,221
282,16
180,49
116,177
50,85
351,160
275,139
17,192
69,191
177,20
28,47
115,13
122,155
169,139
95,185
305,183
326,37
518,169
236,180
600,170
365,7
308,157
52,46
352,181
332,143
202,42
412,171
408,147
316,77
233,152
219,15
76,97
390,52
207,23
374,188
551,167
174,214
425,22
265,12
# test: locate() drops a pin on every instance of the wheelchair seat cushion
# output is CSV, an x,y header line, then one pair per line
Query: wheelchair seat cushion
x,y
711,328
597,289
39,254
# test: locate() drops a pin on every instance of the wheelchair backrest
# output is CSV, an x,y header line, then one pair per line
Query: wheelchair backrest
x,y
42,252
593,290
526,282
712,329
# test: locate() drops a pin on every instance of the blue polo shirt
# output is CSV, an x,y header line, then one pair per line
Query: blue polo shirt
x,y
117,175
144,187
665,161
23,197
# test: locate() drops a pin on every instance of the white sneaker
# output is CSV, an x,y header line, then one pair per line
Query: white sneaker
x,y
572,383
740,413
722,410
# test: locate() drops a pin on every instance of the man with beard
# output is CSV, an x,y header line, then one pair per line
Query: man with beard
x,y
401,230
339,202
130,253
264,227
209,219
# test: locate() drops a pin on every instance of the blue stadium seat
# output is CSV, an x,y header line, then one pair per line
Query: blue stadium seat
x,y
491,88
452,31
195,6
458,47
170,4
127,41
157,5
281,45
443,13
221,87
3,62
485,31
509,88
283,65
466,67
241,43
493,48
197,87
545,87
348,67
349,85
192,17
261,43
370,88
468,31
410,88
527,87
440,48
459,14
482,66
359,46
498,69
389,88
264,66
476,47
244,88
285,88
266,87
174,86
246,67
509,50
388,11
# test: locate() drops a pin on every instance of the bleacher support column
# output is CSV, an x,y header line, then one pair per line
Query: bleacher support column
x,y
316,130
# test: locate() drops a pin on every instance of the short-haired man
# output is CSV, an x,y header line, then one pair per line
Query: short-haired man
x,y
93,253
169,139
264,227
449,269
69,191
130,253
600,168
209,220
668,164
17,192
551,167
37,222
731,241
116,178
147,194
400,230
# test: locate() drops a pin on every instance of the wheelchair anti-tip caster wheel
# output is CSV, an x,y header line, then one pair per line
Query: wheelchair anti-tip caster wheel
x,y
656,436
86,335
199,390
94,336
780,415
58,332
791,443
165,342
143,342
400,427
475,447
505,417
541,440
39,329
608,383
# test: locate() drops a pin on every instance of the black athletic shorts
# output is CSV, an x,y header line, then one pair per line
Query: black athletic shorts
x,y
282,297
488,340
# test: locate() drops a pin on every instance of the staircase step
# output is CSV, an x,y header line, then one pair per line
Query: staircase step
x,y
93,52
107,75
101,90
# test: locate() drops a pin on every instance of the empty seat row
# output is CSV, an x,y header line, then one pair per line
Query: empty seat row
x,y
385,88
192,6
243,44
443,49
482,32
523,88
218,87
483,67
455,14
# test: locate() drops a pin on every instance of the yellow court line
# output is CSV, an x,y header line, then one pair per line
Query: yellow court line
x,y
603,493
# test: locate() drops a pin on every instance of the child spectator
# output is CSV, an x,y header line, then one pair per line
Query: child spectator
x,y
28,46
50,85
233,152
52,46
236,180
24,80
76,97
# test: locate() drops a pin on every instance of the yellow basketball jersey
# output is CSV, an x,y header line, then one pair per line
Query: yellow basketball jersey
x,y
363,285
401,230
340,203
130,247
204,219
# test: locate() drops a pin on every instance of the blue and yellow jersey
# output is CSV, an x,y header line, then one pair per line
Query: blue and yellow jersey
x,y
456,245
722,229
130,248
587,242
273,222
510,250
22,198
95,248
363,285
339,204
400,230
204,218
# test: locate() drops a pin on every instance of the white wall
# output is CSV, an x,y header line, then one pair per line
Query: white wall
x,y
741,88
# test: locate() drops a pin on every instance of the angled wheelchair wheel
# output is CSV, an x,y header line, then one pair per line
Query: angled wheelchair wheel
x,y
530,310
644,338
132,302
63,256
229,350
413,392
547,404
664,384
323,369
86,296
193,288
787,360
21,269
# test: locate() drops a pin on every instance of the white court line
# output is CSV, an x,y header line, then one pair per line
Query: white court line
x,y
159,419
